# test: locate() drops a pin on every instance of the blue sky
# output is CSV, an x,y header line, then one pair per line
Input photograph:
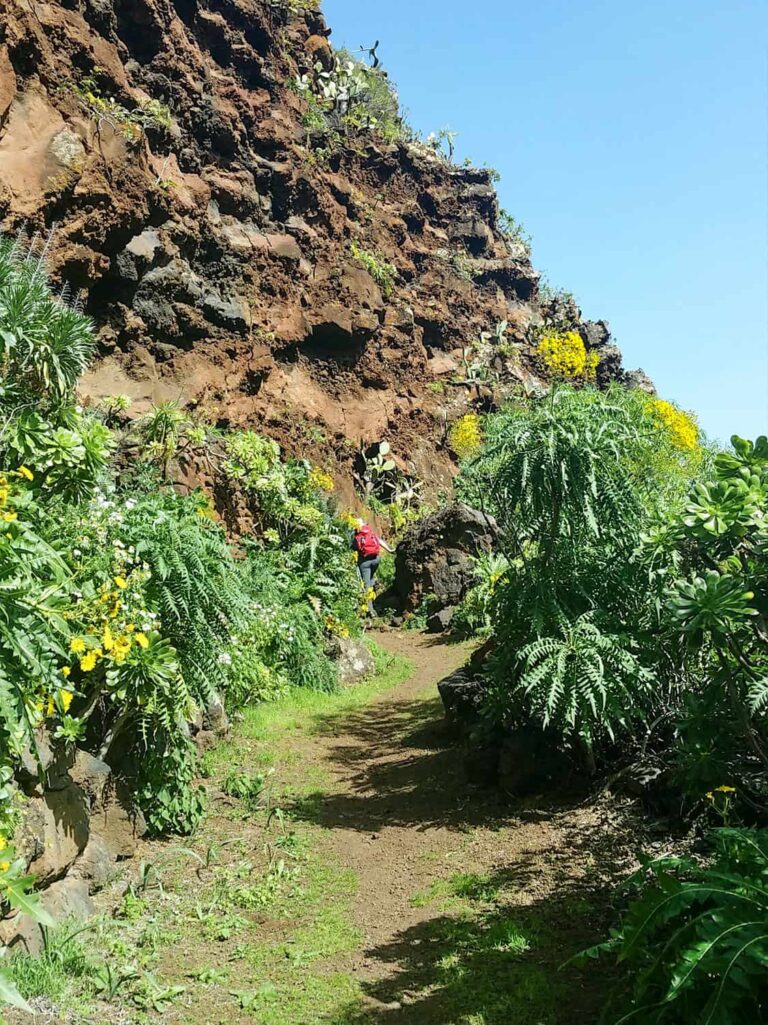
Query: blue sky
x,y
631,140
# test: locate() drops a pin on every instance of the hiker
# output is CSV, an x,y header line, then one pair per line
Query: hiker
x,y
368,546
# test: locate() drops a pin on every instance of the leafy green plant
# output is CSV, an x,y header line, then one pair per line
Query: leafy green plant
x,y
474,614
379,471
584,682
573,480
16,894
131,122
245,787
350,98
694,943
383,273
160,432
716,603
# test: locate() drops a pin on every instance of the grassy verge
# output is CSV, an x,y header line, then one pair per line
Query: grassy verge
x,y
250,917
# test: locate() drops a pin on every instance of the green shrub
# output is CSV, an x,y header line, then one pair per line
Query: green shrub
x,y
124,609
348,99
383,273
694,944
474,615
573,480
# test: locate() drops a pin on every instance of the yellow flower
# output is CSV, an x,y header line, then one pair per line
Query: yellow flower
x,y
710,796
66,697
130,628
24,471
320,479
77,644
121,648
565,355
466,437
141,640
106,640
3,496
725,790
88,662
3,843
4,866
65,671
121,583
50,708
681,426
9,517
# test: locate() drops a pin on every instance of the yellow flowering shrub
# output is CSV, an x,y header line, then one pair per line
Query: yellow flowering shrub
x,y
466,436
349,519
681,426
335,627
320,480
565,355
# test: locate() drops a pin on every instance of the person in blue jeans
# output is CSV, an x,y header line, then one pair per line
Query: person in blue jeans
x,y
368,546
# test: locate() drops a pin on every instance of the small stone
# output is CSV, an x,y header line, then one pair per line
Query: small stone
x,y
67,149
354,659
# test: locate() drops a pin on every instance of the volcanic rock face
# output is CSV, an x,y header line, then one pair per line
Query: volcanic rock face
x,y
214,251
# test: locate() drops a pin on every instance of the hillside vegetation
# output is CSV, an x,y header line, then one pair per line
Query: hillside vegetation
x,y
242,304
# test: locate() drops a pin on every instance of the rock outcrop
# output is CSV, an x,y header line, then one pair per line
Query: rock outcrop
x,y
77,822
213,246
436,560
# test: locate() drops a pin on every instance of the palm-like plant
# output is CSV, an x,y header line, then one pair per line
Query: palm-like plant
x,y
160,432
572,481
45,344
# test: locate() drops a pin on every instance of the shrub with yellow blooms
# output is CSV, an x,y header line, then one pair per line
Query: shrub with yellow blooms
x,y
565,356
466,436
681,426
320,479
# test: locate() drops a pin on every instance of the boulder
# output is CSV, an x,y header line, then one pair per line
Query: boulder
x,y
66,900
118,824
439,621
354,660
53,831
610,366
92,775
595,334
96,864
639,379
436,557
215,719
462,694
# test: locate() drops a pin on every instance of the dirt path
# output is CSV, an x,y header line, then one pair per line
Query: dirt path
x,y
386,891
442,866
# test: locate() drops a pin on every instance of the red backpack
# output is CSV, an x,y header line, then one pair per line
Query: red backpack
x,y
366,542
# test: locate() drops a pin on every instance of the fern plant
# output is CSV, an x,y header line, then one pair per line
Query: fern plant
x,y
194,585
584,682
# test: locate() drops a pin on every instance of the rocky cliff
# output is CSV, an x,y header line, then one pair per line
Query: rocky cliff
x,y
163,148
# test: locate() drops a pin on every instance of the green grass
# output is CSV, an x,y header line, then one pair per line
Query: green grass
x,y
264,729
211,898
460,888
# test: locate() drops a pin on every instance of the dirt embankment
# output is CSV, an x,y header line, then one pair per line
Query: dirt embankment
x,y
214,252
